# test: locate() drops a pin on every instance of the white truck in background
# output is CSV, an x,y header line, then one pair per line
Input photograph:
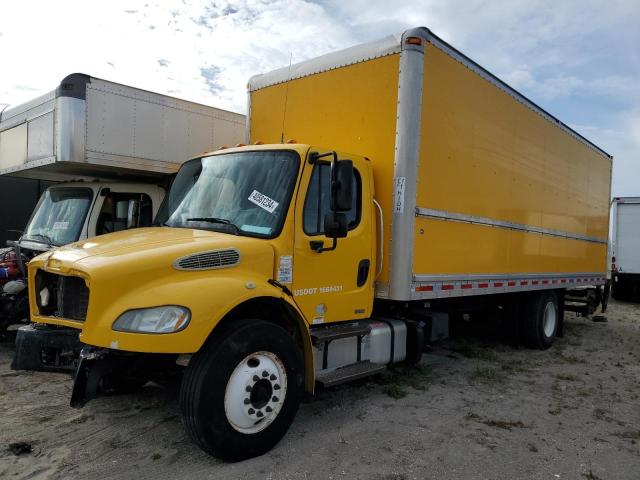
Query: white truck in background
x,y
625,248
114,147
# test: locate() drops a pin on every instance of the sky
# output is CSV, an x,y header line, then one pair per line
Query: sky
x,y
578,59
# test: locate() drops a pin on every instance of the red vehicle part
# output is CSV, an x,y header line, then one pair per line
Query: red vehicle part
x,y
9,269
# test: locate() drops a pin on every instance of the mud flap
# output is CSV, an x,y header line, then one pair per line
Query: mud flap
x,y
92,366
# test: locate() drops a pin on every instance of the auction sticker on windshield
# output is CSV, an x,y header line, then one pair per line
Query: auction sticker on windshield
x,y
264,202
61,225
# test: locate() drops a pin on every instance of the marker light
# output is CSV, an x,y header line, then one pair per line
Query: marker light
x,y
413,41
166,319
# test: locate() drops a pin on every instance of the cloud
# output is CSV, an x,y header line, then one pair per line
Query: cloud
x,y
580,60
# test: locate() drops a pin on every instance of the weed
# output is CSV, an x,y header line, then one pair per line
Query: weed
x,y
555,410
533,448
395,391
572,358
590,475
471,350
156,456
632,435
400,377
584,392
567,377
504,424
485,375
472,416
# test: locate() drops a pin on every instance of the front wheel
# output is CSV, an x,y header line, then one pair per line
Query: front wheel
x,y
541,320
241,392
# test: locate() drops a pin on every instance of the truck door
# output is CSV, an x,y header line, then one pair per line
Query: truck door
x,y
334,285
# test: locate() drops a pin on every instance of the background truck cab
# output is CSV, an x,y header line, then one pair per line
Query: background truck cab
x,y
113,147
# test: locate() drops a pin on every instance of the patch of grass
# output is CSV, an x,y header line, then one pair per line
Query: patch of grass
x,y
398,378
584,392
472,350
156,456
633,435
485,375
502,424
590,475
567,376
600,413
394,391
555,410
472,416
573,359
533,448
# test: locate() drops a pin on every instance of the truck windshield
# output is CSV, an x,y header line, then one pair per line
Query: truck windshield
x,y
245,193
59,216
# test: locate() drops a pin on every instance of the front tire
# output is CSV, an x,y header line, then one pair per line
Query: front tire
x,y
541,320
241,392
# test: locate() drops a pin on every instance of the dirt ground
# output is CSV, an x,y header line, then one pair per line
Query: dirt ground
x,y
475,408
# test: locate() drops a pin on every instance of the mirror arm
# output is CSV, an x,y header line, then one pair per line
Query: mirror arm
x,y
315,156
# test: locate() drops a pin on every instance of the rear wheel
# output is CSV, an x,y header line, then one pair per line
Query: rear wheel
x,y
241,392
541,320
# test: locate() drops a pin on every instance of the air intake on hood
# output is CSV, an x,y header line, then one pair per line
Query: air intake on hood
x,y
227,257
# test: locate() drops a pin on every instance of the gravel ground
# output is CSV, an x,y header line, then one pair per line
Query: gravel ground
x,y
474,408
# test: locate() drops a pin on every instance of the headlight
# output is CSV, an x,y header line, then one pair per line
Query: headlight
x,y
168,319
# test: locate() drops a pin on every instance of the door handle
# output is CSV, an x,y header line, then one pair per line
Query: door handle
x,y
363,272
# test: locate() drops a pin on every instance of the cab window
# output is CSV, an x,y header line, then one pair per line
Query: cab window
x,y
317,203
115,211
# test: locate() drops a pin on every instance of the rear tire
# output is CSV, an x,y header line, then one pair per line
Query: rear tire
x,y
541,320
241,392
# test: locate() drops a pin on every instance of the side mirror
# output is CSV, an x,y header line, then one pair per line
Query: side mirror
x,y
133,214
335,225
341,182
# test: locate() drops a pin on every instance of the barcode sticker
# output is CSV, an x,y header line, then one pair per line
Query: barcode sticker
x,y
264,202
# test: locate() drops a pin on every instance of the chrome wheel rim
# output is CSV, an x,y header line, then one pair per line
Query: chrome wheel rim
x,y
255,392
550,319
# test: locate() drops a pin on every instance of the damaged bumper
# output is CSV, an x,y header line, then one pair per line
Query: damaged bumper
x,y
46,348
102,371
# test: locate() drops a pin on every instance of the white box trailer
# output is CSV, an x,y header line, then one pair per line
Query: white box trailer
x,y
113,148
95,128
625,247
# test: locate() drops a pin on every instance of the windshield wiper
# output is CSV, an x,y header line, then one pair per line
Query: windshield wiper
x,y
47,240
222,221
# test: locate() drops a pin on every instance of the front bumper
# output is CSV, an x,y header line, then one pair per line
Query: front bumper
x,y
46,348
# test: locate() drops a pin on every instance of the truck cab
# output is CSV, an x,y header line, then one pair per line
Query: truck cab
x,y
68,212
267,242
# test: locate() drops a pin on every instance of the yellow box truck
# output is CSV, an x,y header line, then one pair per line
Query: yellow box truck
x,y
422,186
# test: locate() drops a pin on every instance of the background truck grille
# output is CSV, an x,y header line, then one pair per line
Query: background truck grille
x,y
68,296
227,257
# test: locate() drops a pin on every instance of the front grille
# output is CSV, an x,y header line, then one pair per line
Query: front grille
x,y
68,297
227,257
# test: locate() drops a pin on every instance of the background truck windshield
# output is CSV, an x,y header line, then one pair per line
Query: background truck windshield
x,y
247,193
59,216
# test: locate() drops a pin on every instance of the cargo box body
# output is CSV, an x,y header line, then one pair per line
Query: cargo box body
x,y
625,236
89,127
482,190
